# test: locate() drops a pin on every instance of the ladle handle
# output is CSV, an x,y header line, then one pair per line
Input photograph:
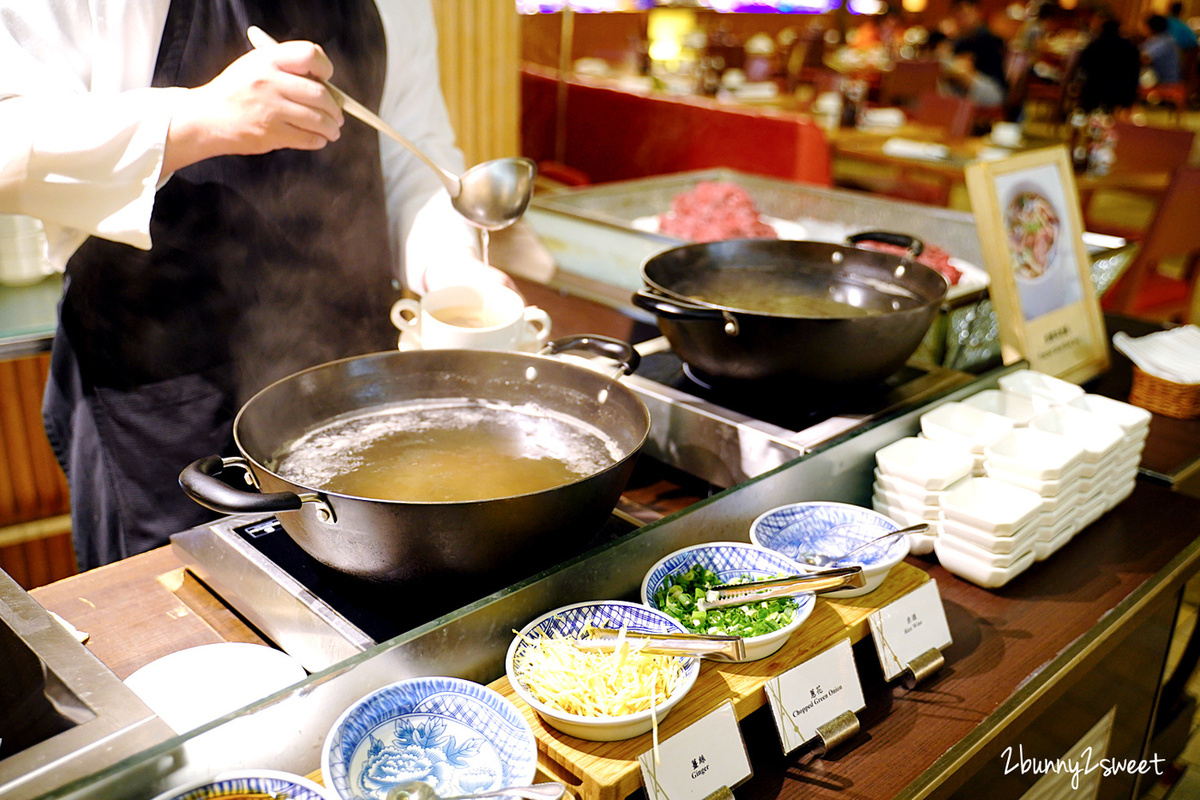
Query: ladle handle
x,y
260,39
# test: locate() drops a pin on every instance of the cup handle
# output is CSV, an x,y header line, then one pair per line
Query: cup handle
x,y
537,327
403,323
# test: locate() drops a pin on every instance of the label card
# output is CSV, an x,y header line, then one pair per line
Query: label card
x,y
811,694
908,628
699,760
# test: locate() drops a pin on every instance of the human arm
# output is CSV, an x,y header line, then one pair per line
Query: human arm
x,y
88,142
434,246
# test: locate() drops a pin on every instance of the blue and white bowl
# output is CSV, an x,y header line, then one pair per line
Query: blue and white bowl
x,y
732,561
271,783
457,735
832,529
570,621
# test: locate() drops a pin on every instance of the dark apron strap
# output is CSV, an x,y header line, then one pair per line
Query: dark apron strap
x,y
261,266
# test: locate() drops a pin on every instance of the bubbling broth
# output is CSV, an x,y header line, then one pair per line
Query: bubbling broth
x,y
457,451
768,292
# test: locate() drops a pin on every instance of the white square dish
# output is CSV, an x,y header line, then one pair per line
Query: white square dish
x,y
1043,549
967,568
1130,418
1039,455
1019,541
1099,437
987,557
991,505
920,544
1031,383
933,465
964,425
909,505
1062,487
915,491
1017,407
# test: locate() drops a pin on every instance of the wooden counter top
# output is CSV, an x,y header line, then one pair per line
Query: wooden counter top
x,y
1014,648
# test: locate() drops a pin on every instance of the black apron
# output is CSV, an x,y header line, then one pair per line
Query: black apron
x,y
261,266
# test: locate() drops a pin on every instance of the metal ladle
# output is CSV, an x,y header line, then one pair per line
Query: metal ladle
x,y
420,790
491,195
822,560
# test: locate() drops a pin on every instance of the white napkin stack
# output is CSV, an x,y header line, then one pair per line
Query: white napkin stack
x,y
1173,355
910,148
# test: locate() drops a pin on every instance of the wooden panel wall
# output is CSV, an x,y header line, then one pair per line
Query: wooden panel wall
x,y
479,45
35,538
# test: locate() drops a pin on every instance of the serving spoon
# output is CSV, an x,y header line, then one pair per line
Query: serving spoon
x,y
420,790
823,560
491,195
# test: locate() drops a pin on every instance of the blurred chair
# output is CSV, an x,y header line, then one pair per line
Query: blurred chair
x,y
1140,149
956,115
1051,100
907,81
1143,290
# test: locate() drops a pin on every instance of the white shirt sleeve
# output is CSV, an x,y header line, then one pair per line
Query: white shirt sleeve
x,y
428,235
83,134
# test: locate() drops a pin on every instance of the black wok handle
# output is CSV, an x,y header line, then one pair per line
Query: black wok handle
x,y
671,308
201,481
914,245
621,352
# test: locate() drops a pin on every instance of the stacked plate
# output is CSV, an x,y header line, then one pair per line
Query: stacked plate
x,y
1008,476
1017,407
911,476
965,426
1052,467
990,530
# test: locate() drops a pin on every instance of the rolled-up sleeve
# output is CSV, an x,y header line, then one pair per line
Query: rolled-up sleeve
x,y
90,163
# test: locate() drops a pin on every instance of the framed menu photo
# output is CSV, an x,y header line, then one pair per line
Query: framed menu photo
x,y
1031,231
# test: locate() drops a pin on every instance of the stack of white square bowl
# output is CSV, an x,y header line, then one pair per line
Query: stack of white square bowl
x,y
1050,466
990,530
911,476
1046,460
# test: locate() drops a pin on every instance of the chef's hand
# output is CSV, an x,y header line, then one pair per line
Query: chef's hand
x,y
269,99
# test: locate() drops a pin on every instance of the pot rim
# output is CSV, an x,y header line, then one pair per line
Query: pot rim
x,y
258,466
923,304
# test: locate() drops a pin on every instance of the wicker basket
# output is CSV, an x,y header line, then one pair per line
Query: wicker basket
x,y
1178,400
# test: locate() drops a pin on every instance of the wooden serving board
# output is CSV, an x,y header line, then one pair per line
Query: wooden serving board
x,y
610,770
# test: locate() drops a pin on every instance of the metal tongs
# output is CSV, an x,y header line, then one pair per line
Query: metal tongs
x,y
713,647
739,594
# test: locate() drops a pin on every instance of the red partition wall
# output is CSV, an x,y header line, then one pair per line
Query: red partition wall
x,y
613,134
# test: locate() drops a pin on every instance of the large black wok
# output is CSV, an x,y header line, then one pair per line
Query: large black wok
x,y
388,541
884,305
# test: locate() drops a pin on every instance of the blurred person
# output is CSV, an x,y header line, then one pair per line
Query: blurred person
x,y
218,224
976,69
1109,66
1184,36
1160,53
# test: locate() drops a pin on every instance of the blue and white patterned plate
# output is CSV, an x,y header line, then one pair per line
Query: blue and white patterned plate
x,y
244,782
733,561
832,529
457,735
828,528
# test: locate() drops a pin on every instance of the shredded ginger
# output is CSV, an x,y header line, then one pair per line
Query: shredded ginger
x,y
594,683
